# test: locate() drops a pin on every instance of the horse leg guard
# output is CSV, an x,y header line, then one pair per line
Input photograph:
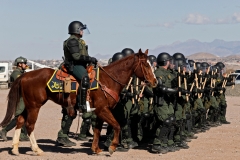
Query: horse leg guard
x,y
16,141
36,150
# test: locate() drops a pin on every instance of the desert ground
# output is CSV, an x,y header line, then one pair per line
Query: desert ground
x,y
221,142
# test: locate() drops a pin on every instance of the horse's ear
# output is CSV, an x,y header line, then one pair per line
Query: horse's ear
x,y
146,52
140,51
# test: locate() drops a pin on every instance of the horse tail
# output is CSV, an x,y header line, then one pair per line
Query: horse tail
x,y
13,100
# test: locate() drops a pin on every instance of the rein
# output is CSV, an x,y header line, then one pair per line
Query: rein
x,y
112,77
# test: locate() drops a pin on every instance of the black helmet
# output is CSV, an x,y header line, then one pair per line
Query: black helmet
x,y
220,64
117,56
215,68
127,51
198,65
191,63
180,63
75,27
162,58
152,59
178,56
204,64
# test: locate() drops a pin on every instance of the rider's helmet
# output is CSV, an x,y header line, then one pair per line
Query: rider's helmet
x,y
75,27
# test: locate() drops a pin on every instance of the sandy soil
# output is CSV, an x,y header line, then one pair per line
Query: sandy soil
x,y
218,143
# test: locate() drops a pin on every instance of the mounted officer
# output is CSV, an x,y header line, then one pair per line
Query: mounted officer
x,y
21,66
76,61
77,58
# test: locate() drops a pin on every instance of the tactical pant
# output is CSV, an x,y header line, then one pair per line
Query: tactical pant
x,y
199,111
223,106
213,112
65,124
162,113
88,119
145,119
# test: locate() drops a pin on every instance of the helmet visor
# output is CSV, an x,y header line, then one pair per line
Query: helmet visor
x,y
85,29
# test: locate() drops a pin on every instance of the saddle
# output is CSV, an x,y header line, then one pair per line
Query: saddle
x,y
63,73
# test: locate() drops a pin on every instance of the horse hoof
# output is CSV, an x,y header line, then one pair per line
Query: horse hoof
x,y
15,152
110,150
39,152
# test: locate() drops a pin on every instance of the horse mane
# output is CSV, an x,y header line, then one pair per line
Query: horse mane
x,y
13,100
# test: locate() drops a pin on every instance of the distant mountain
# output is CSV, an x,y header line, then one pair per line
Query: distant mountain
x,y
202,56
217,47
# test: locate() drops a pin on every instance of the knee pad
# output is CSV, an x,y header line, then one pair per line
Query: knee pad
x,y
87,121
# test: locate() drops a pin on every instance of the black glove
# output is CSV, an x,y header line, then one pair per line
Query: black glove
x,y
129,94
94,60
183,91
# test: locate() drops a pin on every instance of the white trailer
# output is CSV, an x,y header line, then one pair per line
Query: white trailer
x,y
4,75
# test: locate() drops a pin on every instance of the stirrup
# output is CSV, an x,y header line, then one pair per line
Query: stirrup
x,y
88,107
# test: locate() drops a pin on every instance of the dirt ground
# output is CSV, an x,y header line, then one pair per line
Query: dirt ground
x,y
221,142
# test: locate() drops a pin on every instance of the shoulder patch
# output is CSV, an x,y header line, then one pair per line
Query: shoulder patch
x,y
83,42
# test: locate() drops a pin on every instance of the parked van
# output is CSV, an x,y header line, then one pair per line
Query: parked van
x,y
4,75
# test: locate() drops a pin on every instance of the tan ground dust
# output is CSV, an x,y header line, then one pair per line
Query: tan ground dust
x,y
218,143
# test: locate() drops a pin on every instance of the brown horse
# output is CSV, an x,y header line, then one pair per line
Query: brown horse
x,y
32,87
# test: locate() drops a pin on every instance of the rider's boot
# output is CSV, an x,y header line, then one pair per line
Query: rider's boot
x,y
82,96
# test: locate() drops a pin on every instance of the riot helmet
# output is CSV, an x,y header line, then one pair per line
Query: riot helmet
x,y
162,58
75,27
127,51
215,68
180,63
20,60
191,62
152,59
117,56
198,65
204,67
220,64
178,56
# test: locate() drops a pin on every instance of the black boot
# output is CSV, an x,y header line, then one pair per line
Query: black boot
x,y
82,101
163,138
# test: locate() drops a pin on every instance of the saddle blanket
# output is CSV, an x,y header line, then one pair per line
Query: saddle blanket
x,y
56,85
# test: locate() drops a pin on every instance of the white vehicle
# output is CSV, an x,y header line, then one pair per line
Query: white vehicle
x,y
4,75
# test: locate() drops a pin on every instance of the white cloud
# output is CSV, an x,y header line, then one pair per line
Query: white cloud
x,y
196,19
236,18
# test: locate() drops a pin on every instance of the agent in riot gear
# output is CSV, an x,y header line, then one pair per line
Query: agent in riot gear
x,y
163,105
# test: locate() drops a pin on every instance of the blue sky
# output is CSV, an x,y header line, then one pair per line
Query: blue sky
x,y
36,29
